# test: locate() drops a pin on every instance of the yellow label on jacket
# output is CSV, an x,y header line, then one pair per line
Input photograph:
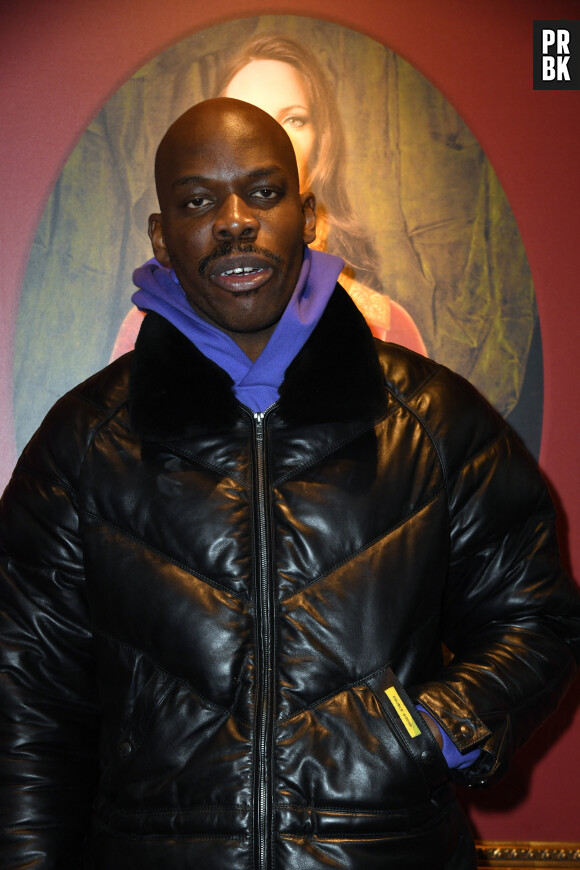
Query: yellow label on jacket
x,y
404,714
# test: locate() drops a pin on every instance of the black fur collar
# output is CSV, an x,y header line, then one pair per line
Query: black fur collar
x,y
175,389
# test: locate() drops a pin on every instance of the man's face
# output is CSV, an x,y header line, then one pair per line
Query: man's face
x,y
233,223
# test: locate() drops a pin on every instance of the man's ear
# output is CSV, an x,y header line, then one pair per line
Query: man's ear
x,y
158,240
309,212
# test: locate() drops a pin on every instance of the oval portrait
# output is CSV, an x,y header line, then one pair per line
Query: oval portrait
x,y
405,196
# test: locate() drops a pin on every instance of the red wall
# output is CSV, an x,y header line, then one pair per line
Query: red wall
x,y
62,59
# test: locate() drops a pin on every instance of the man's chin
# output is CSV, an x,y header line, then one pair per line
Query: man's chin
x,y
252,328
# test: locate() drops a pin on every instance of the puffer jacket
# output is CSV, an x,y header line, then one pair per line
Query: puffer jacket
x,y
216,625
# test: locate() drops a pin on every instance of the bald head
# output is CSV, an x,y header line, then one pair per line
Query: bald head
x,y
233,221
207,126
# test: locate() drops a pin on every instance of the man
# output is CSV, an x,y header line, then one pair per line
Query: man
x,y
231,558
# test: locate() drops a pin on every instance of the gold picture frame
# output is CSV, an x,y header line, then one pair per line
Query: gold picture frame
x,y
521,855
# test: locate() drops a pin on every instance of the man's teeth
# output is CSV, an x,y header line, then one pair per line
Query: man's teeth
x,y
241,270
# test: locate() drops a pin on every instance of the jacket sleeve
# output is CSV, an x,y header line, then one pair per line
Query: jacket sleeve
x,y
49,714
511,616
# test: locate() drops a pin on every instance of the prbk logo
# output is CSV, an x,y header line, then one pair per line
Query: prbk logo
x,y
557,55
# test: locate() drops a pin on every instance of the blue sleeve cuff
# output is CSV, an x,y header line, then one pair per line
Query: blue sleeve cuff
x,y
454,758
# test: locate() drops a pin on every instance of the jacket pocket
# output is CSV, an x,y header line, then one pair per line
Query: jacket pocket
x,y
149,700
410,728
123,741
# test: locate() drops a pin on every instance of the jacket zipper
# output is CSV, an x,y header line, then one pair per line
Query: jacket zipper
x,y
264,660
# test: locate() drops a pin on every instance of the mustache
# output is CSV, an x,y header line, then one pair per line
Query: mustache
x,y
226,248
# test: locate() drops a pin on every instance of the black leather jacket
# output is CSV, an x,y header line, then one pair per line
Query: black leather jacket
x,y
216,625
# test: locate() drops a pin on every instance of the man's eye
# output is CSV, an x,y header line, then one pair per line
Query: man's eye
x,y
198,202
265,193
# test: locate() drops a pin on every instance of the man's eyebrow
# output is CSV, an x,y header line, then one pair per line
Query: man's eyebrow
x,y
265,171
190,179
261,172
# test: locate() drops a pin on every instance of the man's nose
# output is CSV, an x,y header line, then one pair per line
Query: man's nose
x,y
235,220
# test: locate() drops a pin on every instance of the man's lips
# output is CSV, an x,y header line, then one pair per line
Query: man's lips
x,y
240,273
